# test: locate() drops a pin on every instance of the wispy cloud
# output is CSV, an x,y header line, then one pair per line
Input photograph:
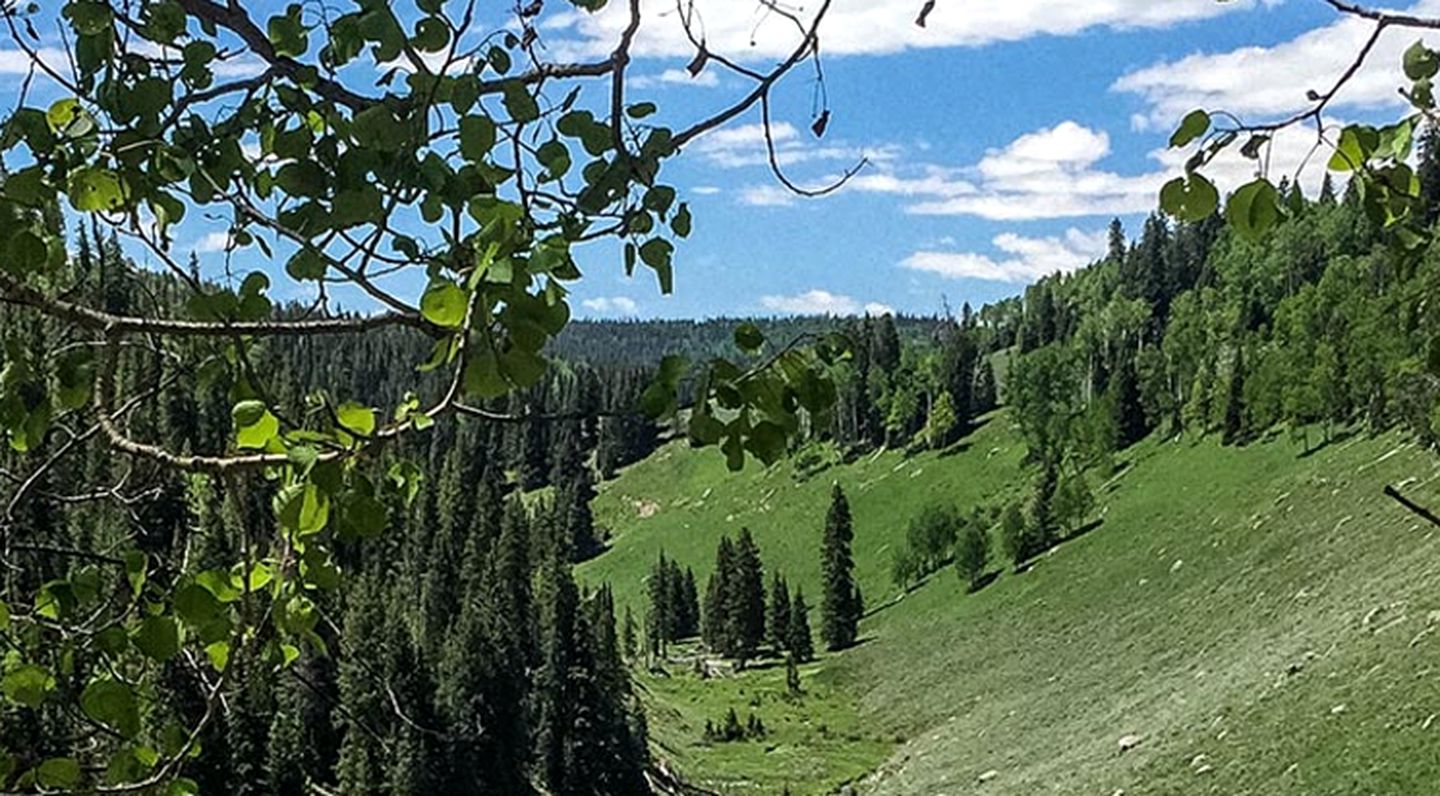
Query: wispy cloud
x,y
611,305
1058,172
765,196
822,302
1266,82
676,77
749,29
1023,259
744,145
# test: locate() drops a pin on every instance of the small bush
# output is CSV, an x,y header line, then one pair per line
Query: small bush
x,y
972,551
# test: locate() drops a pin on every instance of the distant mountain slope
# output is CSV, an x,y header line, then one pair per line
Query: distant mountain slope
x,y
1260,620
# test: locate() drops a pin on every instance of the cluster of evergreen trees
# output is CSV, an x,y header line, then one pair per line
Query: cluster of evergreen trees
x,y
674,612
926,393
460,656
730,729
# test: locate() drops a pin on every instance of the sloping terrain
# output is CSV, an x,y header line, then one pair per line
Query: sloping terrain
x,y
1256,620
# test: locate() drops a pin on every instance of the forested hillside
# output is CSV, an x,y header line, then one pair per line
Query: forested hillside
x,y
460,634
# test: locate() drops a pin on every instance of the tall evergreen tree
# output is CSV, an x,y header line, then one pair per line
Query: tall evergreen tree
x,y
718,598
1235,401
777,623
840,615
747,600
798,641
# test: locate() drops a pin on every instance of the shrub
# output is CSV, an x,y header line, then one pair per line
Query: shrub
x,y
972,550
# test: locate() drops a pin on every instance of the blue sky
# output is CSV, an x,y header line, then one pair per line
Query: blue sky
x,y
1002,139
939,118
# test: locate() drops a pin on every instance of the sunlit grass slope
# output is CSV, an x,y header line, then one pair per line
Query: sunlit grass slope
x,y
1258,620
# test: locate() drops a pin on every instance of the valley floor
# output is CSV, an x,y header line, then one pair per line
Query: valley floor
x,y
1257,620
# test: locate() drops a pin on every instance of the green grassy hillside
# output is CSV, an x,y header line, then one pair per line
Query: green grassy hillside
x,y
1262,620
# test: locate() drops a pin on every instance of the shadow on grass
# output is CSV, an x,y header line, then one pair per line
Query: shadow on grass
x,y
985,581
1029,563
1333,439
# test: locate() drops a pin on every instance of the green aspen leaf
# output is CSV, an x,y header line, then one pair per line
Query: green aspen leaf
x,y
555,157
477,137
1195,124
75,373
306,264
1421,62
196,606
254,431
681,223
158,637
499,59
659,199
288,33
27,685
1191,198
220,585
113,704
767,441
136,567
68,119
640,110
4,616
1353,150
705,429
464,93
303,509
749,337
657,253
356,418
521,367
58,772
93,189
431,35
219,654
1253,209
444,304
483,377
519,103
76,376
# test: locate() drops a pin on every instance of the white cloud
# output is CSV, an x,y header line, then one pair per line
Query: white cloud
x,y
1269,82
676,77
765,196
612,305
213,242
749,29
1029,258
1057,172
19,62
705,190
744,145
822,302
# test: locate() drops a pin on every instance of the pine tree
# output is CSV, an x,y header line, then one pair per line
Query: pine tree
x,y
885,348
986,398
839,613
777,624
690,603
660,621
718,599
1126,404
1117,242
1235,401
747,600
628,637
799,641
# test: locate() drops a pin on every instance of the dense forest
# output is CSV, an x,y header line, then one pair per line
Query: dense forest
x,y
462,657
